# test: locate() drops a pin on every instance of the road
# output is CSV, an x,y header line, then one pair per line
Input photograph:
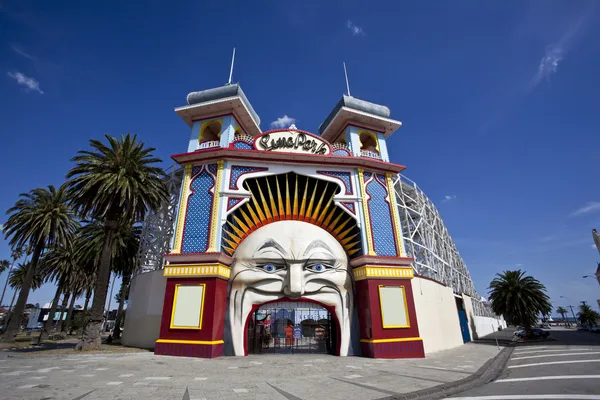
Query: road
x,y
567,368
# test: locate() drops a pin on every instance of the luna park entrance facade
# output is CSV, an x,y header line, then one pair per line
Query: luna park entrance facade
x,y
291,327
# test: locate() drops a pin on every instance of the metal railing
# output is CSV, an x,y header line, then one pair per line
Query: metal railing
x,y
208,145
370,154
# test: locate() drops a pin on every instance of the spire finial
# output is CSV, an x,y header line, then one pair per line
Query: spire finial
x,y
231,69
347,84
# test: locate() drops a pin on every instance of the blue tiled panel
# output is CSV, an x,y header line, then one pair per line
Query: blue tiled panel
x,y
232,201
242,145
381,220
237,171
341,152
197,223
344,176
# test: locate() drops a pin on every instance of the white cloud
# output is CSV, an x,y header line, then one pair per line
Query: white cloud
x,y
356,30
593,246
591,206
283,122
27,82
21,52
556,52
448,198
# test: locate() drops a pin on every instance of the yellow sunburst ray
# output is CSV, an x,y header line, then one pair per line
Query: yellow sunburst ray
x,y
272,201
341,226
237,230
233,243
324,212
242,226
295,212
288,208
344,241
315,214
249,222
279,201
254,216
351,252
265,206
330,215
303,205
334,222
308,216
229,250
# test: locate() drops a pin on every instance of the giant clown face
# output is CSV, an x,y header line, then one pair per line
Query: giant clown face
x,y
290,259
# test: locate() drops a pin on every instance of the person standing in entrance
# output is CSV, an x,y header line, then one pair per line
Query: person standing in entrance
x,y
289,335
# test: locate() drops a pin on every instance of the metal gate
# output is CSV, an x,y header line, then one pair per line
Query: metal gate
x,y
291,327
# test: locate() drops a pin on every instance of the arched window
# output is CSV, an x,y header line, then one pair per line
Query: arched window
x,y
211,131
368,141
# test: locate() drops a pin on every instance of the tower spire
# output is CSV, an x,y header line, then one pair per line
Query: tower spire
x,y
231,69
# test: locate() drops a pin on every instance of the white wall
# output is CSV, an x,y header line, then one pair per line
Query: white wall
x,y
144,310
437,315
485,325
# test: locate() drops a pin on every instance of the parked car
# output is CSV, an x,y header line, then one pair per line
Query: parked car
x,y
595,329
536,332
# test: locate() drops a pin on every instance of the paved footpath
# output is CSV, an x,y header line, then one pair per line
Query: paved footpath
x,y
568,369
292,377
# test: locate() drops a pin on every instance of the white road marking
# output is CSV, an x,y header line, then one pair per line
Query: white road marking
x,y
240,390
352,376
200,379
547,351
67,371
554,355
28,386
87,375
307,365
125,375
232,367
533,397
141,384
37,377
550,378
157,378
101,369
14,373
47,369
113,383
255,362
553,363
353,367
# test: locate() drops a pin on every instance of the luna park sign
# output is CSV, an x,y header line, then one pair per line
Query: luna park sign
x,y
292,142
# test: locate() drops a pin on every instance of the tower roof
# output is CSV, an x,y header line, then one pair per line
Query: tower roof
x,y
219,101
361,112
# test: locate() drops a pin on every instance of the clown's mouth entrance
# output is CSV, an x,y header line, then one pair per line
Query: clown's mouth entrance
x,y
291,327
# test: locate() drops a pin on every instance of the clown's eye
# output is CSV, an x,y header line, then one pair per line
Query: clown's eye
x,y
270,268
318,267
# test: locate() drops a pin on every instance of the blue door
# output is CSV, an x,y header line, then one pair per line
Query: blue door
x,y
464,326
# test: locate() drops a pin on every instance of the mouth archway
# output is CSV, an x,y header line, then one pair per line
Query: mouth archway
x,y
292,326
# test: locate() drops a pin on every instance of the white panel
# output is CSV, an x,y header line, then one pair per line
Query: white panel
x,y
188,306
393,308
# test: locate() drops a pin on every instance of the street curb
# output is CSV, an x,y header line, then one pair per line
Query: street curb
x,y
489,372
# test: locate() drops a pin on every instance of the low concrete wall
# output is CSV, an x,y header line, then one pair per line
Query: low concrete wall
x,y
484,325
144,310
437,315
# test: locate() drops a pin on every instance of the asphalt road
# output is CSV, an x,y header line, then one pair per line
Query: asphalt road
x,y
566,368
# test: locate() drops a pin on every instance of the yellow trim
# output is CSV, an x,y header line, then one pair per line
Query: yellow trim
x,y
206,124
190,341
396,218
379,272
405,308
182,209
218,270
363,193
199,327
373,136
408,339
214,226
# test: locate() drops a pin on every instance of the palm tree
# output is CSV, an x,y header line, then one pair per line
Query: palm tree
x,y
40,218
4,265
587,316
16,279
113,183
562,311
58,265
15,254
519,298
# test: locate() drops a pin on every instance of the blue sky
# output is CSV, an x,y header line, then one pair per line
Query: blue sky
x,y
499,102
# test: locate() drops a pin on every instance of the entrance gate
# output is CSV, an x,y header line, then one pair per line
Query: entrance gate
x,y
291,327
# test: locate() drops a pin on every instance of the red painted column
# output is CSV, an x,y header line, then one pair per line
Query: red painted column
x,y
377,341
206,342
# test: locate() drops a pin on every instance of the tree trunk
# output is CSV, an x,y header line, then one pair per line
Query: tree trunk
x,y
6,283
9,313
91,339
50,321
66,328
13,326
61,322
124,290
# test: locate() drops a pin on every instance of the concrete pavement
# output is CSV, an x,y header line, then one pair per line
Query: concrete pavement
x,y
292,377
568,368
